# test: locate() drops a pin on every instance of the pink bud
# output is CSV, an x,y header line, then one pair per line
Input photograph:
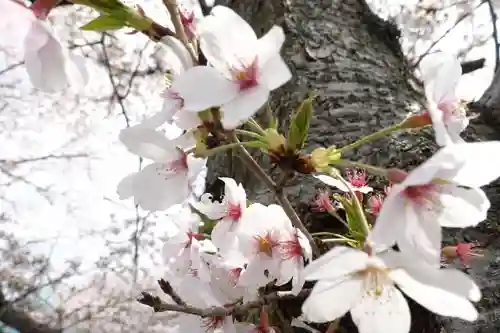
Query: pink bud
x,y
465,252
375,204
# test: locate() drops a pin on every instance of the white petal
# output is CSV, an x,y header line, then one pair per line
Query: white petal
x,y
203,87
225,36
45,65
477,163
332,182
148,143
186,120
269,46
364,189
387,312
242,107
443,138
76,71
125,188
213,210
433,294
463,207
421,236
177,56
337,262
221,234
331,300
156,190
275,73
389,225
445,78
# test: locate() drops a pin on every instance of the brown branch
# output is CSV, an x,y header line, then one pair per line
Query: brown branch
x,y
160,306
278,192
20,320
167,289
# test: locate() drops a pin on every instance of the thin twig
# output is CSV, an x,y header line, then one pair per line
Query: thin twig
x,y
495,33
278,192
173,10
167,289
160,306
460,19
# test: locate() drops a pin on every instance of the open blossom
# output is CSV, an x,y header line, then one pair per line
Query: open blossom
x,y
165,182
294,249
181,250
49,65
228,212
258,240
441,73
443,191
274,249
352,280
245,69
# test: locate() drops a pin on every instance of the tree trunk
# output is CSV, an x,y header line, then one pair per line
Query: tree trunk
x,y
341,49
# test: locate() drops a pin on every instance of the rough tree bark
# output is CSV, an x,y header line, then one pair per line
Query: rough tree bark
x,y
353,59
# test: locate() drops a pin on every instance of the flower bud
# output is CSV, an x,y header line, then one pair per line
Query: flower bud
x,y
417,121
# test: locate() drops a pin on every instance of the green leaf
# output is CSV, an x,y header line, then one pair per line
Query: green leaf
x,y
299,126
104,23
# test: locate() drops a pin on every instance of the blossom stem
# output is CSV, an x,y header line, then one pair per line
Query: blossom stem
x,y
371,137
219,149
249,133
337,240
255,125
278,192
370,168
357,203
173,10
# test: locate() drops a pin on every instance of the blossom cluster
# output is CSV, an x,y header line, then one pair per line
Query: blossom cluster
x,y
224,253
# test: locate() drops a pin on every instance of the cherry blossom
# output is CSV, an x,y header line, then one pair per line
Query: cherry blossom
x,y
323,202
441,73
245,69
49,65
443,191
228,212
259,236
352,280
181,250
165,182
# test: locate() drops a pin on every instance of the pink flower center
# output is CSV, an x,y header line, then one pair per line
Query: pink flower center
x,y
191,235
234,212
291,249
173,95
234,274
180,164
357,178
213,323
421,194
247,76
187,20
322,202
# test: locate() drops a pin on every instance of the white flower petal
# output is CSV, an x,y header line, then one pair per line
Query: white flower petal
x,y
463,207
345,260
125,188
186,120
443,138
76,71
203,87
389,225
176,54
275,73
150,144
330,300
433,293
476,163
332,182
387,312
269,46
242,107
